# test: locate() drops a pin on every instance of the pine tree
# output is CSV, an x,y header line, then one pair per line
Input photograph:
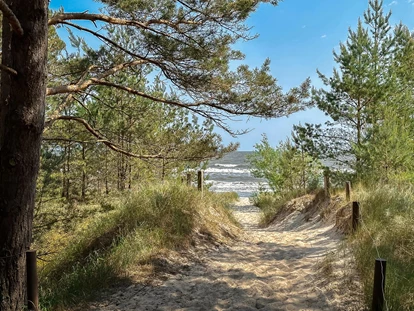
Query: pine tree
x,y
358,91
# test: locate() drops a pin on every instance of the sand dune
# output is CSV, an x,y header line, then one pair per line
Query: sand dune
x,y
281,267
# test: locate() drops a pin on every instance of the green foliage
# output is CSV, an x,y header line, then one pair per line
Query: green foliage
x,y
287,168
170,138
389,153
387,231
99,250
190,47
154,92
369,101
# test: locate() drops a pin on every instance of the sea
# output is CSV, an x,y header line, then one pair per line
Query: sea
x,y
233,173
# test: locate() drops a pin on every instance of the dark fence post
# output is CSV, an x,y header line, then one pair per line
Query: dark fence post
x,y
348,191
326,185
189,179
378,297
200,181
355,216
32,284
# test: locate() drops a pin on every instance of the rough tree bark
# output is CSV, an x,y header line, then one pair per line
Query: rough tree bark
x,y
22,105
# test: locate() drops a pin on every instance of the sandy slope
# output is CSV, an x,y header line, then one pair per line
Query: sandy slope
x,y
268,269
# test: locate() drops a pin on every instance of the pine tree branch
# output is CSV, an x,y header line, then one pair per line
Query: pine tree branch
x,y
61,17
105,141
83,85
67,100
76,88
14,22
116,148
111,42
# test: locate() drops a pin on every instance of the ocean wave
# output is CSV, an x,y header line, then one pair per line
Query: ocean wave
x,y
242,188
226,165
227,171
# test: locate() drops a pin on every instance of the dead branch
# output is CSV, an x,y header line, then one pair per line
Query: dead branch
x,y
14,22
8,69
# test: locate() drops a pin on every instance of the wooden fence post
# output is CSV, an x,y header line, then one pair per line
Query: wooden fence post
x,y
200,181
326,185
348,191
378,296
32,283
189,179
355,216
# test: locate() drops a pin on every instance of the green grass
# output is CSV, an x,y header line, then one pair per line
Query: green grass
x,y
387,231
104,248
270,204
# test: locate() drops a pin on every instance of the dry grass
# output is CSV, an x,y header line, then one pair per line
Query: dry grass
x,y
387,231
136,231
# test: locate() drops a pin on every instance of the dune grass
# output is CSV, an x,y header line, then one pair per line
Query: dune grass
x,y
387,231
270,204
146,223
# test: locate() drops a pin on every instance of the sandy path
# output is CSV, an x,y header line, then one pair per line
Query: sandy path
x,y
268,269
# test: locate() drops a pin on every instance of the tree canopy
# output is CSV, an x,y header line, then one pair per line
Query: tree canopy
x,y
187,46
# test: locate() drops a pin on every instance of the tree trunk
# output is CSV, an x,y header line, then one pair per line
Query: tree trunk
x,y
129,160
163,170
64,174
106,172
130,175
22,112
83,190
68,172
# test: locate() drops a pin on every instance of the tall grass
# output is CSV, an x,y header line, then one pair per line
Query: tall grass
x,y
387,231
270,204
145,224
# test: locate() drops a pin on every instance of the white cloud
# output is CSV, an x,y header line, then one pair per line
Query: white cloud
x,y
394,3
323,36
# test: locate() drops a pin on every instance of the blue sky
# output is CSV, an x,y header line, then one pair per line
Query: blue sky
x,y
298,36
